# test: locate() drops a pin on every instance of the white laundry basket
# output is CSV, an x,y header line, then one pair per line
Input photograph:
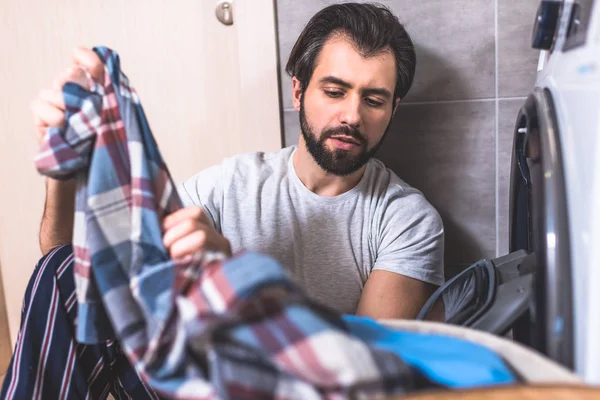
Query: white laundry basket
x,y
532,367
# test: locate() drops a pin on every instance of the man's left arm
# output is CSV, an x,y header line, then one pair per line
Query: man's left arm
x,y
409,263
389,295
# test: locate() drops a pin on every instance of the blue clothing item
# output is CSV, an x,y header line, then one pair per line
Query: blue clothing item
x,y
449,361
48,363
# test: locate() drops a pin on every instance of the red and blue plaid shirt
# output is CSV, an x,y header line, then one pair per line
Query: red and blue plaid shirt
x,y
204,327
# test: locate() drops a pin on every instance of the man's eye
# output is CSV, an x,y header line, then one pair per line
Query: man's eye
x,y
373,103
333,93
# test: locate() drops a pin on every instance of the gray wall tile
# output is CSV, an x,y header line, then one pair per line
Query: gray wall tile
x,y
291,123
448,152
507,118
292,15
454,41
517,60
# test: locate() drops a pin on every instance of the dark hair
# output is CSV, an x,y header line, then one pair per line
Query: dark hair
x,y
372,28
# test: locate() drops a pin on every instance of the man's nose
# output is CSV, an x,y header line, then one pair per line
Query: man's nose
x,y
350,113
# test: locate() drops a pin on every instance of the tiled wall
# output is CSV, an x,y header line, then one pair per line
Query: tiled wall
x,y
452,135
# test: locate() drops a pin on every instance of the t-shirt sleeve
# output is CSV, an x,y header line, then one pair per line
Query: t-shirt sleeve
x,y
205,190
411,238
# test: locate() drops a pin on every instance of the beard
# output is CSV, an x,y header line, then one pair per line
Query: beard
x,y
339,161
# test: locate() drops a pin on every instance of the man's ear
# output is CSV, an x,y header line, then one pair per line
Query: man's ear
x,y
296,93
396,105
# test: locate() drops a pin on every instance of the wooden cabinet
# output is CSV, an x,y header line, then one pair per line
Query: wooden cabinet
x,y
209,91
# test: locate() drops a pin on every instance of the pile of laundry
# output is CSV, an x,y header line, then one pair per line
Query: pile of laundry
x,y
211,326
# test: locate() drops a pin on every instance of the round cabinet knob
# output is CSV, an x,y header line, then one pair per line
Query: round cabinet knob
x,y
546,25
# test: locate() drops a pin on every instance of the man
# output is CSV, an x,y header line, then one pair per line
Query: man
x,y
354,235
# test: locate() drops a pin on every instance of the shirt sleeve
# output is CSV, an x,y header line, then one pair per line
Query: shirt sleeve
x,y
411,238
205,190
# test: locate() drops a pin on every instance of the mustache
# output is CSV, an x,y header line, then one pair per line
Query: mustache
x,y
344,130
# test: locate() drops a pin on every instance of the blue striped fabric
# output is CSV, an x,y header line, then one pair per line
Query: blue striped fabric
x,y
47,362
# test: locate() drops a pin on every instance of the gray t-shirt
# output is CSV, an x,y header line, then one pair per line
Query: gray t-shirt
x,y
329,244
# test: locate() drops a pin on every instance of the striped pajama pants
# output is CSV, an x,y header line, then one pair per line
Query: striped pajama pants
x,y
47,362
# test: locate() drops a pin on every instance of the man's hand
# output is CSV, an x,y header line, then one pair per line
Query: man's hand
x,y
189,231
49,107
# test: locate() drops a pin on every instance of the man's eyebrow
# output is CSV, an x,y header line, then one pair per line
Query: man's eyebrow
x,y
368,91
335,81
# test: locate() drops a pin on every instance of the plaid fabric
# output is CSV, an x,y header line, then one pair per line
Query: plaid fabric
x,y
123,191
202,328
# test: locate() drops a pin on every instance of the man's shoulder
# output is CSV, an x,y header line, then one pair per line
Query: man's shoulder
x,y
387,183
395,196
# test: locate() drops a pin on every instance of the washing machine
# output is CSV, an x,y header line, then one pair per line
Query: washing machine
x,y
555,189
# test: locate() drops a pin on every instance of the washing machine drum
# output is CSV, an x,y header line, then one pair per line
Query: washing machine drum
x,y
539,226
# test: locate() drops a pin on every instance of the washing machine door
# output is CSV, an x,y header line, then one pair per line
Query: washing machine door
x,y
539,225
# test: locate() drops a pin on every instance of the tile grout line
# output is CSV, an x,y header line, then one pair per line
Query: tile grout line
x,y
449,101
512,98
485,99
497,128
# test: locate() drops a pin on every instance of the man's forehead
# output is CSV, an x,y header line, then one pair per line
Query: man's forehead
x,y
340,58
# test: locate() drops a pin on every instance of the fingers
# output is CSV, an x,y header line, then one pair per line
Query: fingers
x,y
181,230
48,110
195,213
71,74
188,231
60,80
40,133
189,245
89,60
53,97
46,114
49,107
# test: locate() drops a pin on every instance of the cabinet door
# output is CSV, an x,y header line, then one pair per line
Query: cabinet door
x,y
209,91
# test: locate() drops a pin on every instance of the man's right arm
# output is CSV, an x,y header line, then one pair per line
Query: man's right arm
x,y
57,221
186,231
48,109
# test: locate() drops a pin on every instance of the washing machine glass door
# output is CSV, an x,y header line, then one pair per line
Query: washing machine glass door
x,y
539,225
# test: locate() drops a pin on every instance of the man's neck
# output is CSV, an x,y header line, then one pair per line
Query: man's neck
x,y
317,180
